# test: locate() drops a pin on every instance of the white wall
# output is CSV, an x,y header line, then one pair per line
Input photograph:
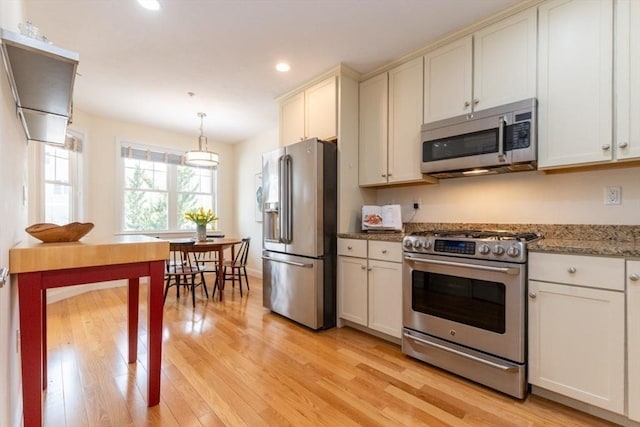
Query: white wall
x,y
249,163
13,176
523,198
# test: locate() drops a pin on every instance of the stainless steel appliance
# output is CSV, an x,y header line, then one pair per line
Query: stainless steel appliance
x,y
299,232
495,140
464,304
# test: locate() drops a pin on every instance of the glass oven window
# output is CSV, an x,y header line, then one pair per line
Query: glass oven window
x,y
471,144
473,302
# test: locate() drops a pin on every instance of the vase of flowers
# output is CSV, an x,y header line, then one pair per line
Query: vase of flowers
x,y
201,218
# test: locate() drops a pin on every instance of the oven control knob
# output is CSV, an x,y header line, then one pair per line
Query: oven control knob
x,y
408,244
498,250
417,244
426,244
484,249
513,251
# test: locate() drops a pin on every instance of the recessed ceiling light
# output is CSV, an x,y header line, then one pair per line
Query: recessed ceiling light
x,y
150,4
283,67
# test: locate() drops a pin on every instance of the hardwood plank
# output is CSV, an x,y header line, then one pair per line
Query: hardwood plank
x,y
232,363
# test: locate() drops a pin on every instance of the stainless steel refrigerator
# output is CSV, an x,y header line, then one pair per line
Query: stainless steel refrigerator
x,y
299,184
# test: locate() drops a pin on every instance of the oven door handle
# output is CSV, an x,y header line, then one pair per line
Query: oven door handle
x,y
504,368
507,270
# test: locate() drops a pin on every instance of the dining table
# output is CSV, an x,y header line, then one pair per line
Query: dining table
x,y
212,244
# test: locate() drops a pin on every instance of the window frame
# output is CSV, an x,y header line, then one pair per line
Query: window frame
x,y
172,191
75,172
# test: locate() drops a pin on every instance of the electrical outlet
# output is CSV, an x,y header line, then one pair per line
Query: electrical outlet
x,y
612,195
416,205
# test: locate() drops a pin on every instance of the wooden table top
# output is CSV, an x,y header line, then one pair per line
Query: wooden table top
x,y
31,255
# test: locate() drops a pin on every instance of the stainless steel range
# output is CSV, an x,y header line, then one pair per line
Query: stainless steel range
x,y
464,304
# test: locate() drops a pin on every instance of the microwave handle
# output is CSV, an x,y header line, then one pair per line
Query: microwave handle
x,y
501,123
501,139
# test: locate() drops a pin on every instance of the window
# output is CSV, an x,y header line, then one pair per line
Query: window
x,y
60,183
158,189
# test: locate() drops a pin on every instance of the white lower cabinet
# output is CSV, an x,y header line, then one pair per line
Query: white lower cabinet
x,y
633,339
577,328
370,284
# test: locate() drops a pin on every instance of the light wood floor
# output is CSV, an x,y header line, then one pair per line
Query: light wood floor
x,y
232,363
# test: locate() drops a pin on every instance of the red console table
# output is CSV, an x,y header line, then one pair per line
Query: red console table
x,y
42,266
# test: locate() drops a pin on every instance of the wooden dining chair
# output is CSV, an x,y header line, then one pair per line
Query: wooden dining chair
x,y
237,267
182,269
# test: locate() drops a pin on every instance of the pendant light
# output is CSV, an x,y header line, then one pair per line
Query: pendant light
x,y
202,156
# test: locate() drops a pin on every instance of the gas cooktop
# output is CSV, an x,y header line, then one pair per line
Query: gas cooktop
x,y
479,244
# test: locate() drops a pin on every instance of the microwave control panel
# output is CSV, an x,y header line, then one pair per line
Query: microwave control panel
x,y
518,135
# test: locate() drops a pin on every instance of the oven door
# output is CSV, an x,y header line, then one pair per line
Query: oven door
x,y
473,303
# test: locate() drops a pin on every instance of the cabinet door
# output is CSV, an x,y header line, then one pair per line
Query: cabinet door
x,y
576,343
372,148
405,118
504,61
352,288
627,68
292,119
575,82
633,338
447,80
385,297
321,110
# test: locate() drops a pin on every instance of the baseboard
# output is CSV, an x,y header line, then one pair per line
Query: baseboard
x,y
54,295
584,407
253,272
17,411
344,322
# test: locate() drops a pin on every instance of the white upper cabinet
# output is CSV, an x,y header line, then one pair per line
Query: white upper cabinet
x,y
494,66
292,119
504,61
405,119
627,66
310,113
390,119
575,82
373,131
321,110
447,80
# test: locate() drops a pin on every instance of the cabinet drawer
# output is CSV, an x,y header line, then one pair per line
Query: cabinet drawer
x,y
352,247
589,271
385,251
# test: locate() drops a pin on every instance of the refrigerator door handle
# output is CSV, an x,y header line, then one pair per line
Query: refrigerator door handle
x,y
287,202
295,264
281,192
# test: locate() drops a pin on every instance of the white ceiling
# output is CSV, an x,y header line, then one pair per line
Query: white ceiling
x,y
137,65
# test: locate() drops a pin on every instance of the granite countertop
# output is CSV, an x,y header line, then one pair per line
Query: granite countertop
x,y
603,240
586,247
385,237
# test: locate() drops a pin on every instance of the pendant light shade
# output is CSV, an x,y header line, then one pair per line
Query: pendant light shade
x,y
202,156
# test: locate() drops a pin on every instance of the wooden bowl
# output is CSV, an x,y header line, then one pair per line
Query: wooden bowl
x,y
49,233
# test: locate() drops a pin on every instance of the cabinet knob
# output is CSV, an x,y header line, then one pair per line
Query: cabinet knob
x,y
363,267
634,277
349,248
532,295
571,270
384,175
466,104
389,174
624,144
606,147
369,269
384,251
476,101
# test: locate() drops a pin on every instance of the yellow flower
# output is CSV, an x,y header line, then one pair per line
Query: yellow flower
x,y
200,216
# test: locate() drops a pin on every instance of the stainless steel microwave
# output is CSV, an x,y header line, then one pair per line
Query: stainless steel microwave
x,y
496,140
